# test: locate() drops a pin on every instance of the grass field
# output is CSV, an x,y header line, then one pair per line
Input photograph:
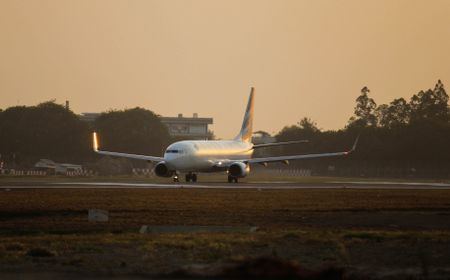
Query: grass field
x,y
386,234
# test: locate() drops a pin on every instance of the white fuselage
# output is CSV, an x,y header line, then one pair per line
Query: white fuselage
x,y
205,156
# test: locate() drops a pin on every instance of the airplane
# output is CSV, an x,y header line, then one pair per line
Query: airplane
x,y
231,156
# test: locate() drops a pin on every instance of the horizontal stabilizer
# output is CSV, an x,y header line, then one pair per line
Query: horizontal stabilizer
x,y
278,144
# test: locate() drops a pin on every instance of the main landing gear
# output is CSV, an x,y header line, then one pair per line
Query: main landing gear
x,y
232,179
191,177
176,179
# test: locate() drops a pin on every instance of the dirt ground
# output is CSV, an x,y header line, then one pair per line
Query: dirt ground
x,y
361,234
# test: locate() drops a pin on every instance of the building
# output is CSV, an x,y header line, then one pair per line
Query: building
x,y
192,128
185,127
57,168
89,117
262,137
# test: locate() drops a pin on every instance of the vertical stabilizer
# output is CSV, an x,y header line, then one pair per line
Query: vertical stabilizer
x,y
245,135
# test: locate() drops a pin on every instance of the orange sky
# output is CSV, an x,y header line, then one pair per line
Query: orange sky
x,y
305,58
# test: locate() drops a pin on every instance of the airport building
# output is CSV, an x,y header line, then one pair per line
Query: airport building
x,y
186,127
57,168
189,127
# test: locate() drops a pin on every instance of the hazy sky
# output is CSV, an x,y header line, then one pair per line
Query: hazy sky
x,y
304,58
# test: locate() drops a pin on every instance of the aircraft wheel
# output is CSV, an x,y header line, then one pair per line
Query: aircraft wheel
x,y
194,178
230,179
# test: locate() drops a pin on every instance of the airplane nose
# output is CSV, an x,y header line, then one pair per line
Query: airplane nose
x,y
171,157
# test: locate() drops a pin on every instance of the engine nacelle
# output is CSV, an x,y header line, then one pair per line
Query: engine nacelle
x,y
162,170
239,169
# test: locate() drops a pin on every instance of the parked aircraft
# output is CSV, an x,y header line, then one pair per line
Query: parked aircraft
x,y
191,157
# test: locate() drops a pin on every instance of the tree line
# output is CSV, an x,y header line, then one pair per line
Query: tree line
x,y
405,138
52,131
407,135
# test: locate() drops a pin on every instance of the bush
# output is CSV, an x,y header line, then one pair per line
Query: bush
x,y
40,252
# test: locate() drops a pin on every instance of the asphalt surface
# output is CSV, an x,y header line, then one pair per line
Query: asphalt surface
x,y
252,185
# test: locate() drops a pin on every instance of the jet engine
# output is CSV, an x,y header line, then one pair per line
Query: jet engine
x,y
239,169
162,170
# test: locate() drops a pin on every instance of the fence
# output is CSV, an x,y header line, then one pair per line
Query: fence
x,y
283,172
40,173
143,171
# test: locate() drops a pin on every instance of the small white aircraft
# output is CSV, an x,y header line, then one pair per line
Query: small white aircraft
x,y
233,156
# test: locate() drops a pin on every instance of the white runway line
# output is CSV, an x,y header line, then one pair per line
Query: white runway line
x,y
393,183
176,186
224,186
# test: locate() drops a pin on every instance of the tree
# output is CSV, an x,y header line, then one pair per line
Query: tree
x,y
47,130
135,130
364,111
211,135
305,128
395,114
430,106
308,126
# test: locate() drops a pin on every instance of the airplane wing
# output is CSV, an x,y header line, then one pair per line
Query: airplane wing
x,y
257,146
286,159
125,155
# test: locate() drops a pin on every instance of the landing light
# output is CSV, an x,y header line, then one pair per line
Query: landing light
x,y
95,141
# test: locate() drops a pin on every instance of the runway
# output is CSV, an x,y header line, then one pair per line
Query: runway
x,y
261,185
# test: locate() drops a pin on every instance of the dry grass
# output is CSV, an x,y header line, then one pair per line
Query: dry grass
x,y
156,253
365,231
65,210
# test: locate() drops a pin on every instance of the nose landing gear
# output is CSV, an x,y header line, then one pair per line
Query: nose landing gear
x,y
191,177
232,179
175,179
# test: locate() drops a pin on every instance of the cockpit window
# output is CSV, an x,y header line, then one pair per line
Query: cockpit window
x,y
173,151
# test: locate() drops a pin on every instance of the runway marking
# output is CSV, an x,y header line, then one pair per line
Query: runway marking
x,y
392,183
248,186
181,186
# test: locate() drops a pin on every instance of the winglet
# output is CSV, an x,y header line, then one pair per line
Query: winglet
x,y
94,142
354,144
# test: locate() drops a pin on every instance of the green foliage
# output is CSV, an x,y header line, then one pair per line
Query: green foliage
x,y
410,136
394,115
430,106
47,130
211,135
364,110
308,126
304,128
135,130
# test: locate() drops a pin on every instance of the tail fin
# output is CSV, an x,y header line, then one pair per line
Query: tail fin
x,y
245,135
